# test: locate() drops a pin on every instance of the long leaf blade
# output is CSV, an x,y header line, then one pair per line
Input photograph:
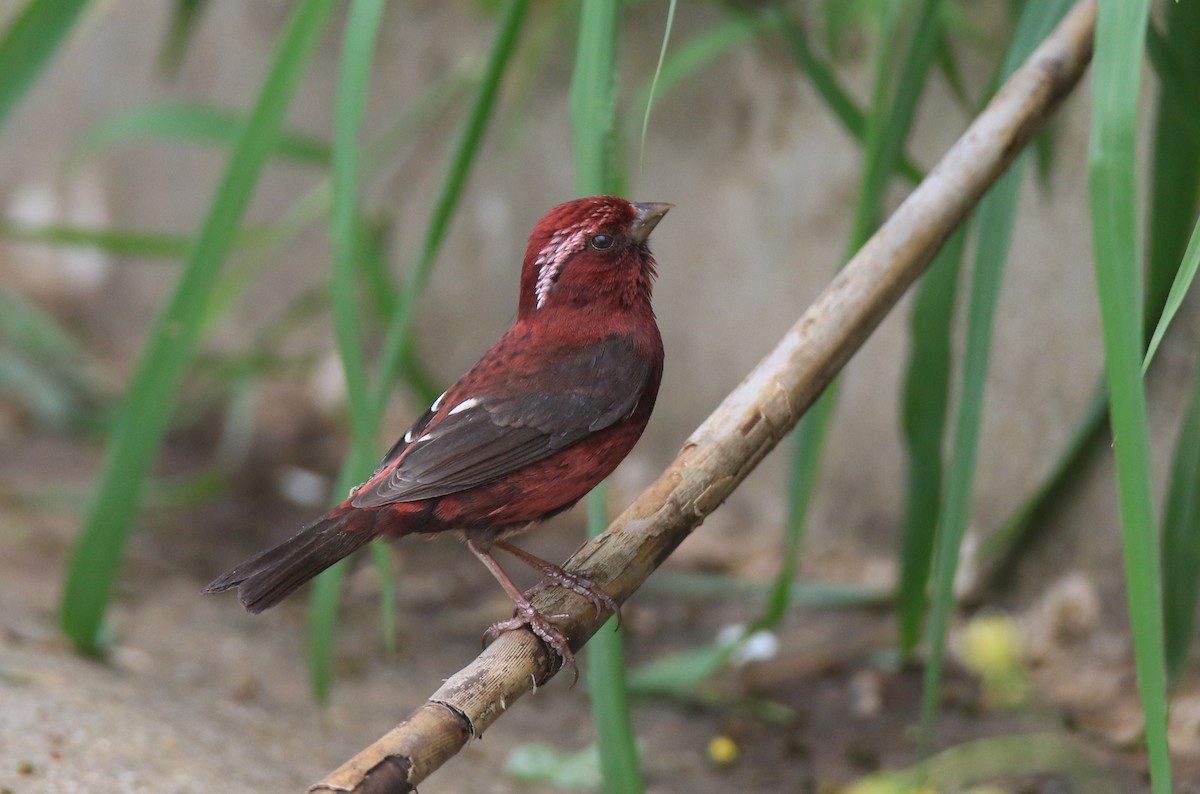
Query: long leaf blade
x,y
358,49
1174,190
825,81
995,231
508,33
323,604
146,409
192,122
151,245
1120,32
1181,542
886,131
995,219
593,102
926,402
1179,289
31,40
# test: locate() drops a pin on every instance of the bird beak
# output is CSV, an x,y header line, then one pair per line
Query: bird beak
x,y
648,216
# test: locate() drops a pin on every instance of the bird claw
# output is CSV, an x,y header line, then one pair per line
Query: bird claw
x,y
542,626
579,582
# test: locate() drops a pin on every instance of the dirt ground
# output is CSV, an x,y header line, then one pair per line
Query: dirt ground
x,y
197,696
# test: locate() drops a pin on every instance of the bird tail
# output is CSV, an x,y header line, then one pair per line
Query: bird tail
x,y
271,576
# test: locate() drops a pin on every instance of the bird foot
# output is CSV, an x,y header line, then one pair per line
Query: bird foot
x,y
580,582
542,626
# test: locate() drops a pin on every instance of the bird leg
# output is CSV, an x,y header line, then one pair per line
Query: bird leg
x,y
577,581
526,615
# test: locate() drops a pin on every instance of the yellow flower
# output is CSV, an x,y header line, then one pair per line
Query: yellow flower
x,y
991,645
723,750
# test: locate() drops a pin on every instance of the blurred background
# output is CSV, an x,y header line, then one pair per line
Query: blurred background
x,y
112,160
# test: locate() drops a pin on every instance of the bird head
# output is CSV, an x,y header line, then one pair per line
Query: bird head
x,y
590,254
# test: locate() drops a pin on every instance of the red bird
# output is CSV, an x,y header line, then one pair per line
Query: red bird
x,y
542,418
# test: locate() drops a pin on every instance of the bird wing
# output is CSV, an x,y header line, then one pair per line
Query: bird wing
x,y
475,439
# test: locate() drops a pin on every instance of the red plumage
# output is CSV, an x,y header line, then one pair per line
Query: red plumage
x,y
546,414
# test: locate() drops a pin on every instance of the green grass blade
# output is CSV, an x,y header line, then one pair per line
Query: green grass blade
x,y
995,219
29,329
1175,64
512,19
593,97
149,245
677,674
1175,159
697,52
345,222
926,398
146,410
1179,288
741,27
1112,171
1173,202
951,71
322,627
609,689
1174,194
48,399
1175,167
119,242
323,604
970,766
841,17
310,207
1045,147
887,129
593,105
1001,545
167,493
185,16
884,143
886,132
191,122
314,206
662,56
803,471
29,43
825,81
548,768
374,269
1181,542
358,50
44,368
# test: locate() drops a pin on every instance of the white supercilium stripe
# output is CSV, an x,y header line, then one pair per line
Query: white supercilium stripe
x,y
560,247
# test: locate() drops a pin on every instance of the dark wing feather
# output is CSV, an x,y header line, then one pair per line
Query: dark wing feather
x,y
453,451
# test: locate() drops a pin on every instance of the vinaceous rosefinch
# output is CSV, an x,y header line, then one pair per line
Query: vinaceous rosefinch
x,y
543,417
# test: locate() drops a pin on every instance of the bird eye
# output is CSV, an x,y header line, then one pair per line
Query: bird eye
x,y
601,242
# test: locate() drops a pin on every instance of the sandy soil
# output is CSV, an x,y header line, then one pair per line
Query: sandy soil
x,y
196,695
